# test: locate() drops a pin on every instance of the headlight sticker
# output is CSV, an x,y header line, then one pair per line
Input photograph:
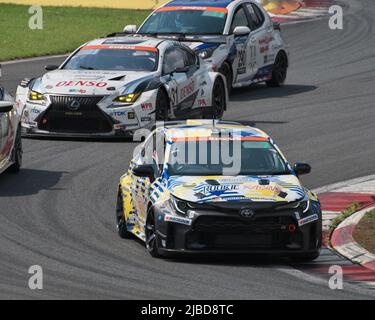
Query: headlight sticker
x,y
308,219
170,218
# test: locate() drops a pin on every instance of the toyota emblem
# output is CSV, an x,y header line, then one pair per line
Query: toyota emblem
x,y
74,105
247,213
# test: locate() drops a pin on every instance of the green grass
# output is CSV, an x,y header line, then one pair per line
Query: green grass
x,y
64,29
353,208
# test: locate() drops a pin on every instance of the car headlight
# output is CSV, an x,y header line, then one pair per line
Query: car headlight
x,y
127,98
303,205
206,53
36,96
180,206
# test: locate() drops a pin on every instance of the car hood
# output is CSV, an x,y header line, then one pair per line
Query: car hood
x,y
282,188
87,82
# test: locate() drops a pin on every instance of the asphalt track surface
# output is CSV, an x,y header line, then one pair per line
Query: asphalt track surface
x,y
58,212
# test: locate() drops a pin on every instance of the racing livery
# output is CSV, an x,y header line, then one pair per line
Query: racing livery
x,y
204,205
10,135
116,85
238,38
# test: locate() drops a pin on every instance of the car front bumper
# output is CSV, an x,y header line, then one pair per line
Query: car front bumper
x,y
216,232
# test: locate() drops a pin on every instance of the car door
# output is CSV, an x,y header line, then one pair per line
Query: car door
x,y
244,65
179,69
140,186
259,43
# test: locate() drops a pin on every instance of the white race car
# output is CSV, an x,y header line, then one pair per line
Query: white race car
x,y
10,135
253,49
116,85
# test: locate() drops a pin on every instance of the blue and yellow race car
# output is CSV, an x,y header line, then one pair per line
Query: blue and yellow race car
x,y
202,186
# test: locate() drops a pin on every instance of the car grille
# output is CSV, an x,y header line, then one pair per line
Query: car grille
x,y
235,233
236,225
86,118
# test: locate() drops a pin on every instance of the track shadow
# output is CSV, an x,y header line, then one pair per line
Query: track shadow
x,y
261,91
28,182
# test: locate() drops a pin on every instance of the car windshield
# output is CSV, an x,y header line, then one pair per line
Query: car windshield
x,y
242,157
105,57
207,21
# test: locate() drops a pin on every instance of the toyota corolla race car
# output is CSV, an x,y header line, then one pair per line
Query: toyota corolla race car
x,y
115,86
222,187
10,135
237,37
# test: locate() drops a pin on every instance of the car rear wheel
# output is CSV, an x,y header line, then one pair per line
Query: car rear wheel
x,y
279,71
17,154
151,236
162,106
120,219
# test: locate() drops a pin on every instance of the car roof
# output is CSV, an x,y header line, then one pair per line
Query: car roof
x,y
202,3
136,41
200,129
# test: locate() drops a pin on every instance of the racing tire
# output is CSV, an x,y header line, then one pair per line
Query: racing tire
x,y
151,236
218,101
279,71
17,154
305,257
226,71
162,106
120,219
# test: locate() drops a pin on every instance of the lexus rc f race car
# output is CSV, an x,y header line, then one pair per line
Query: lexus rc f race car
x,y
10,135
117,85
181,194
238,38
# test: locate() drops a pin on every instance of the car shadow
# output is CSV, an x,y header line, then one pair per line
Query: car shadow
x,y
232,260
261,91
28,182
75,139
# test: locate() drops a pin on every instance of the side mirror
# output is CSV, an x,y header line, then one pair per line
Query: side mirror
x,y
277,26
144,171
130,29
241,31
6,106
302,168
181,70
51,67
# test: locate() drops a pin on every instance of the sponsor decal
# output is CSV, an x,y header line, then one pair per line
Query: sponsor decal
x,y
81,84
195,8
49,87
266,40
202,102
77,91
187,90
35,111
119,47
241,55
146,119
118,113
146,106
209,189
264,49
308,219
180,220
